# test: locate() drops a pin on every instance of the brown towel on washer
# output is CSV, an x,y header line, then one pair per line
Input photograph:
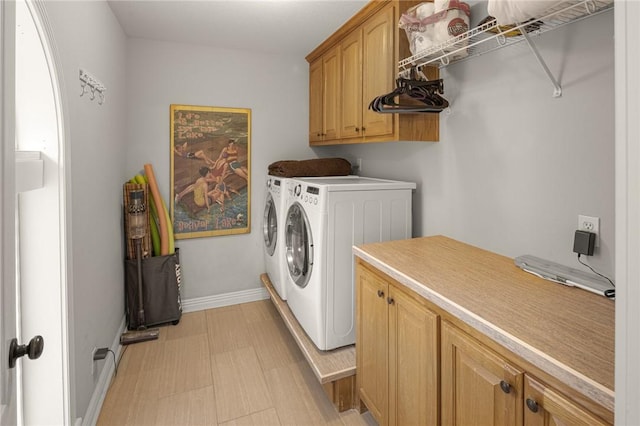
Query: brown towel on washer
x,y
308,168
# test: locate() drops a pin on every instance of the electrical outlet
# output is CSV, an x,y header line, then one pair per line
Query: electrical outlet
x,y
590,224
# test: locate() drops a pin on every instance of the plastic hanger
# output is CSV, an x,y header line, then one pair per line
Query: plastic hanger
x,y
412,95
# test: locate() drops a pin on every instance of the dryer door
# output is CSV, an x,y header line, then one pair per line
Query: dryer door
x,y
299,245
270,225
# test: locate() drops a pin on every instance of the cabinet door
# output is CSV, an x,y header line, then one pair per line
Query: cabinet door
x,y
352,85
315,101
478,386
546,407
413,362
331,93
378,69
372,343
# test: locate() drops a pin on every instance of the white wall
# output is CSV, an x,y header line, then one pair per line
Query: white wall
x,y
514,166
88,36
275,88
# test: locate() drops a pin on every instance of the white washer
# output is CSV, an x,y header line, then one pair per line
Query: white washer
x,y
273,233
325,218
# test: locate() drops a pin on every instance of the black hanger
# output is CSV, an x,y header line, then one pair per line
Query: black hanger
x,y
413,95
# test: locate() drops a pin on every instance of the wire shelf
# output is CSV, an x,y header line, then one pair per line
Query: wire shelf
x,y
490,36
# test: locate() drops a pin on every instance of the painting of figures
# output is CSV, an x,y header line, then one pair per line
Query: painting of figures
x,y
210,170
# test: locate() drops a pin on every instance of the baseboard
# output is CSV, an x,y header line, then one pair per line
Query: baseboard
x,y
100,391
227,299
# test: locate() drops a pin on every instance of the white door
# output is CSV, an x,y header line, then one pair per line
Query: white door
x,y
270,225
8,393
41,248
32,287
299,245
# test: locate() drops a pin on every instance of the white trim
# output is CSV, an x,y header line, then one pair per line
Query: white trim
x,y
9,393
227,299
45,32
102,386
627,208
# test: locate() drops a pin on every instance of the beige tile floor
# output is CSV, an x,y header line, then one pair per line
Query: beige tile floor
x,y
236,365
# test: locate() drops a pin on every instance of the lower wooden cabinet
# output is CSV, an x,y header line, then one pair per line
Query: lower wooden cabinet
x,y
396,353
478,386
416,365
544,406
372,343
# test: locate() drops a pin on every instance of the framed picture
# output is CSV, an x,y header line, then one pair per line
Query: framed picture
x,y
210,171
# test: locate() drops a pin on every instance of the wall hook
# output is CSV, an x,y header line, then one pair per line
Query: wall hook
x,y
90,83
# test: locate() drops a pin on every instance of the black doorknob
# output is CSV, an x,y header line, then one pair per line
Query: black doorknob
x,y
33,350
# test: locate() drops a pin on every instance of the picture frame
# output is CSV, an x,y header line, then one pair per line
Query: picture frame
x,y
210,171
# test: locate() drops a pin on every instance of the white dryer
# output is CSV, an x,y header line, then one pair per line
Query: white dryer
x,y
273,233
325,218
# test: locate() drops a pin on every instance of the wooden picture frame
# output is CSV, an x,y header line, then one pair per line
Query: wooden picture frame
x,y
210,171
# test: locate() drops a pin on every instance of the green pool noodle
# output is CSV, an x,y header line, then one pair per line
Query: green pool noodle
x,y
153,218
172,241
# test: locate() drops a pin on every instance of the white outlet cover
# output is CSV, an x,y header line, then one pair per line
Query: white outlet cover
x,y
590,224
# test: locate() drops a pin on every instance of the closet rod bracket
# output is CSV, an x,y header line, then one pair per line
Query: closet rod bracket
x,y
557,89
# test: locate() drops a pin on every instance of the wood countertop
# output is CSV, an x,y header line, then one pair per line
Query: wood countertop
x,y
564,331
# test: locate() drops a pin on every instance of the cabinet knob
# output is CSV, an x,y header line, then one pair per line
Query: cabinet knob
x,y
390,300
532,405
363,129
357,129
380,293
318,134
506,387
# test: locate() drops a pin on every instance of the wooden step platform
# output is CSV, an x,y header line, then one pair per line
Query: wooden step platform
x,y
335,369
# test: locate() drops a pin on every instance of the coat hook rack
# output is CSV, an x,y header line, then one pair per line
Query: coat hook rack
x,y
89,84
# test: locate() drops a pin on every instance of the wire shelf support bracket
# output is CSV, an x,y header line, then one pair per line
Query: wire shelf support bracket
x,y
557,89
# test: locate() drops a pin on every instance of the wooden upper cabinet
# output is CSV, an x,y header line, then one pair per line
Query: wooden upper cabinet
x,y
378,69
544,406
351,99
366,49
331,93
478,386
325,88
315,101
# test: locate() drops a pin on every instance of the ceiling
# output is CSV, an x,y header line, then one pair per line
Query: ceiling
x,y
272,26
